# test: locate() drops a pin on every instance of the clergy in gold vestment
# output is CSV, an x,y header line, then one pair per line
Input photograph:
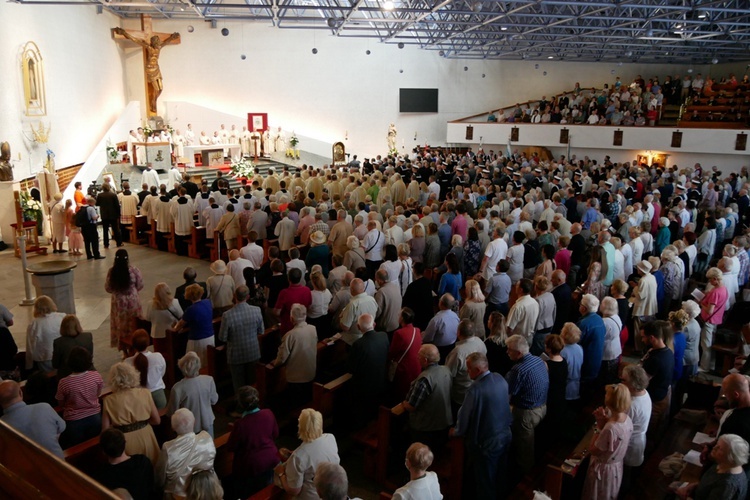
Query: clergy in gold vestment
x,y
398,190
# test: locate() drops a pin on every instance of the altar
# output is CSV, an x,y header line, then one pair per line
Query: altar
x,y
211,155
158,154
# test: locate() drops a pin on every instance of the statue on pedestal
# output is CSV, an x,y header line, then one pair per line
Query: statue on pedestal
x,y
392,137
6,169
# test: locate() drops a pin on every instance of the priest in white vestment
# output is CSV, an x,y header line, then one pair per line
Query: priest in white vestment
x,y
267,142
163,213
148,207
128,204
178,142
189,136
150,177
201,204
224,134
234,135
182,213
280,140
216,139
175,176
205,140
245,142
213,214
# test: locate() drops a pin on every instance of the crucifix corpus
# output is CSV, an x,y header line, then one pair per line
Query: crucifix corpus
x,y
152,43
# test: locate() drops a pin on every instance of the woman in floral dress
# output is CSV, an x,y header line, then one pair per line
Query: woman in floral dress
x,y
123,282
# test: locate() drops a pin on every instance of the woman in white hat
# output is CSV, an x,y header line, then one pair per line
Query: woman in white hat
x,y
220,288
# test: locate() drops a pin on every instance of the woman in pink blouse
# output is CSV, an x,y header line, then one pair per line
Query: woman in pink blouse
x,y
712,314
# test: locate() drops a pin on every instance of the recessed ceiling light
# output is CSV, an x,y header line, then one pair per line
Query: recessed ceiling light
x,y
503,28
388,5
550,57
702,15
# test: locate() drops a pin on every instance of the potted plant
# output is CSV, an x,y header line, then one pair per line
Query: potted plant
x,y
112,154
32,210
293,151
242,168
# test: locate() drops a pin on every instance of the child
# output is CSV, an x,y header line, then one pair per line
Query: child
x,y
73,232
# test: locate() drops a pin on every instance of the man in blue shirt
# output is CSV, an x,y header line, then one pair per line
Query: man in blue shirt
x,y
485,420
593,332
39,422
443,327
528,383
498,290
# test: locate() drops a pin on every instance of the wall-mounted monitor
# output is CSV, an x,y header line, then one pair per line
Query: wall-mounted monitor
x,y
418,100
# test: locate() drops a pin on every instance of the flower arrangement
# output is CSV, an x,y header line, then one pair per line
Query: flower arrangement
x,y
32,209
242,168
148,131
293,141
393,152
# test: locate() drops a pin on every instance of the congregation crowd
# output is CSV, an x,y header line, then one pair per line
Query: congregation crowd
x,y
638,104
489,297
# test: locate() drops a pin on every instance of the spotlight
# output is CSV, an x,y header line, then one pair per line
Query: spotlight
x,y
401,71
368,52
331,22
545,73
243,57
190,29
483,75
690,70
225,31
714,61
389,5
477,7
213,23
314,51
400,45
628,53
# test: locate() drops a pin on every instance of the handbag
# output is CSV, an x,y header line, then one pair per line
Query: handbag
x,y
393,365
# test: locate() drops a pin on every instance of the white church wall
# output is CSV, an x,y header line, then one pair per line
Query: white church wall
x,y
83,71
341,91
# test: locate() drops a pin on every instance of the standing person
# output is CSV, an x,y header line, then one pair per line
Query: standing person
x,y
130,408
593,333
443,327
71,336
87,222
403,354
557,367
609,444
644,299
373,244
240,327
195,392
419,297
528,384
109,206
523,316
42,333
474,308
367,363
659,365
151,367
547,314
485,421
57,218
134,474
75,237
78,394
467,344
123,282
712,315
163,311
39,422
612,347
635,378
298,353
422,483
198,319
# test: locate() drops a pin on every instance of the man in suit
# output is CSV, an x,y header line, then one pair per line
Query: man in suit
x,y
240,328
418,297
189,275
485,421
109,206
367,364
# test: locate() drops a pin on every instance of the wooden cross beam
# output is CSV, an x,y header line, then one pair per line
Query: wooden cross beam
x,y
152,42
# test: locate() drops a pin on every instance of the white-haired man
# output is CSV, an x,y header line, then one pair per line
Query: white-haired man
x,y
593,333
298,352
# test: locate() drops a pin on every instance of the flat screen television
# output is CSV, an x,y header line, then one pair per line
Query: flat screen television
x,y
418,100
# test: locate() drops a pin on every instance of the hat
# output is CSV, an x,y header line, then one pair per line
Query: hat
x,y
664,221
538,170
318,237
608,183
485,171
696,182
632,179
517,173
218,267
557,177
645,266
680,186
459,169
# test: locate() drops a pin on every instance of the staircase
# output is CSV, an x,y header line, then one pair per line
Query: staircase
x,y
670,115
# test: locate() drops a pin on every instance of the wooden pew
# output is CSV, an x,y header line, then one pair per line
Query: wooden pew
x,y
197,242
564,481
137,229
170,237
213,246
29,471
151,233
325,396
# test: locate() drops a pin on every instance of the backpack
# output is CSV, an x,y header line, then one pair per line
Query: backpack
x,y
82,217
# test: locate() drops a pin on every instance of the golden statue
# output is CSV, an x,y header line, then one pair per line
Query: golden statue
x,y
152,46
6,169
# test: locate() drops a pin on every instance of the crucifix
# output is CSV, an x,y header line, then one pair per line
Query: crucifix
x,y
152,43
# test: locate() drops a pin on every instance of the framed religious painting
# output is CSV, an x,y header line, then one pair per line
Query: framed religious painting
x,y
564,136
660,159
617,141
469,133
514,134
741,143
32,73
677,139
257,121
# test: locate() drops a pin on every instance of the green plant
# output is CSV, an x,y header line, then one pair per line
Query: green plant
x,y
242,168
32,209
293,141
112,152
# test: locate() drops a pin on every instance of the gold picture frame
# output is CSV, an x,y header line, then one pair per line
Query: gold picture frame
x,y
32,72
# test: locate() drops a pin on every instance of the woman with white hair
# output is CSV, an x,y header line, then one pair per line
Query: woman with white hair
x,y
195,392
41,333
724,479
612,348
422,483
712,306
297,472
692,331
354,258
474,307
181,456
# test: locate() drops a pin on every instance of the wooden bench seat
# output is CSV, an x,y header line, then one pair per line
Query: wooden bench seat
x,y
564,481
136,230
197,242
